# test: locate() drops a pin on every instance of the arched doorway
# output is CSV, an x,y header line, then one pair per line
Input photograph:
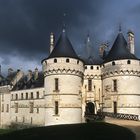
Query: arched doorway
x,y
90,108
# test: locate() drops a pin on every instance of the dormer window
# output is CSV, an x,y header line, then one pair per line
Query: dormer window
x,y
67,60
55,60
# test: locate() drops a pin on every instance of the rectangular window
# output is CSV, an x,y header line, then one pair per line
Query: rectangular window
x,y
2,97
89,84
56,108
37,94
115,85
26,95
22,96
12,97
16,119
56,84
2,110
37,110
16,96
7,109
31,107
32,95
16,107
23,119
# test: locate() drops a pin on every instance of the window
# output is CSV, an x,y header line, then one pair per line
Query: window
x,y
2,110
91,67
97,68
89,84
23,119
26,95
22,96
16,96
37,94
128,62
37,109
7,109
113,63
2,97
12,97
77,61
55,60
16,118
31,120
31,107
32,95
85,67
56,84
115,85
56,108
67,60
16,107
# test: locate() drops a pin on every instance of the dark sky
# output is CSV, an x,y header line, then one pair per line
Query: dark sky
x,y
25,26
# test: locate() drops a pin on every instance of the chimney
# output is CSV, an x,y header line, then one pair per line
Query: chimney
x,y
102,49
36,73
10,71
29,75
52,40
131,45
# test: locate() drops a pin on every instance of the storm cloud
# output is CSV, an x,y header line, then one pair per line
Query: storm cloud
x,y
25,26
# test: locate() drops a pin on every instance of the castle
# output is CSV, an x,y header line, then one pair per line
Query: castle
x,y
68,87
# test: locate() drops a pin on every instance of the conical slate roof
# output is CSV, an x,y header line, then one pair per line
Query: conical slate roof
x,y
119,50
63,48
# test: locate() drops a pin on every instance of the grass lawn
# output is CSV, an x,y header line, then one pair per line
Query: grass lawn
x,y
86,131
4,131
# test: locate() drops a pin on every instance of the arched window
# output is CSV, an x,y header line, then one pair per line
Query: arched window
x,y
67,60
128,62
113,63
55,60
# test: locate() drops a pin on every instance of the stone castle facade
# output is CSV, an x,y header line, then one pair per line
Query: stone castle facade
x,y
68,87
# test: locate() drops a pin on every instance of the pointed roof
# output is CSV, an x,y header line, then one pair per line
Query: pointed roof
x,y
92,56
119,50
63,48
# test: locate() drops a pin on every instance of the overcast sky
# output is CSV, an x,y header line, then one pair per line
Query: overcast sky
x,y
25,26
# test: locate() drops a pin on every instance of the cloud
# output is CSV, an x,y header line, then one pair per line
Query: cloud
x,y
26,25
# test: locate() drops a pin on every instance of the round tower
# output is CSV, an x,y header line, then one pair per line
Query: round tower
x,y
121,78
63,73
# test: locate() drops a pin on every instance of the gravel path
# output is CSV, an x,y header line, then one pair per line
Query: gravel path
x,y
133,125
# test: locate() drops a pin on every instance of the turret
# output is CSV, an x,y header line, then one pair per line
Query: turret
x,y
63,74
131,45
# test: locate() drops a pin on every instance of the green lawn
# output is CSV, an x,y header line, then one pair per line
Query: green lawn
x,y
87,131
3,131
